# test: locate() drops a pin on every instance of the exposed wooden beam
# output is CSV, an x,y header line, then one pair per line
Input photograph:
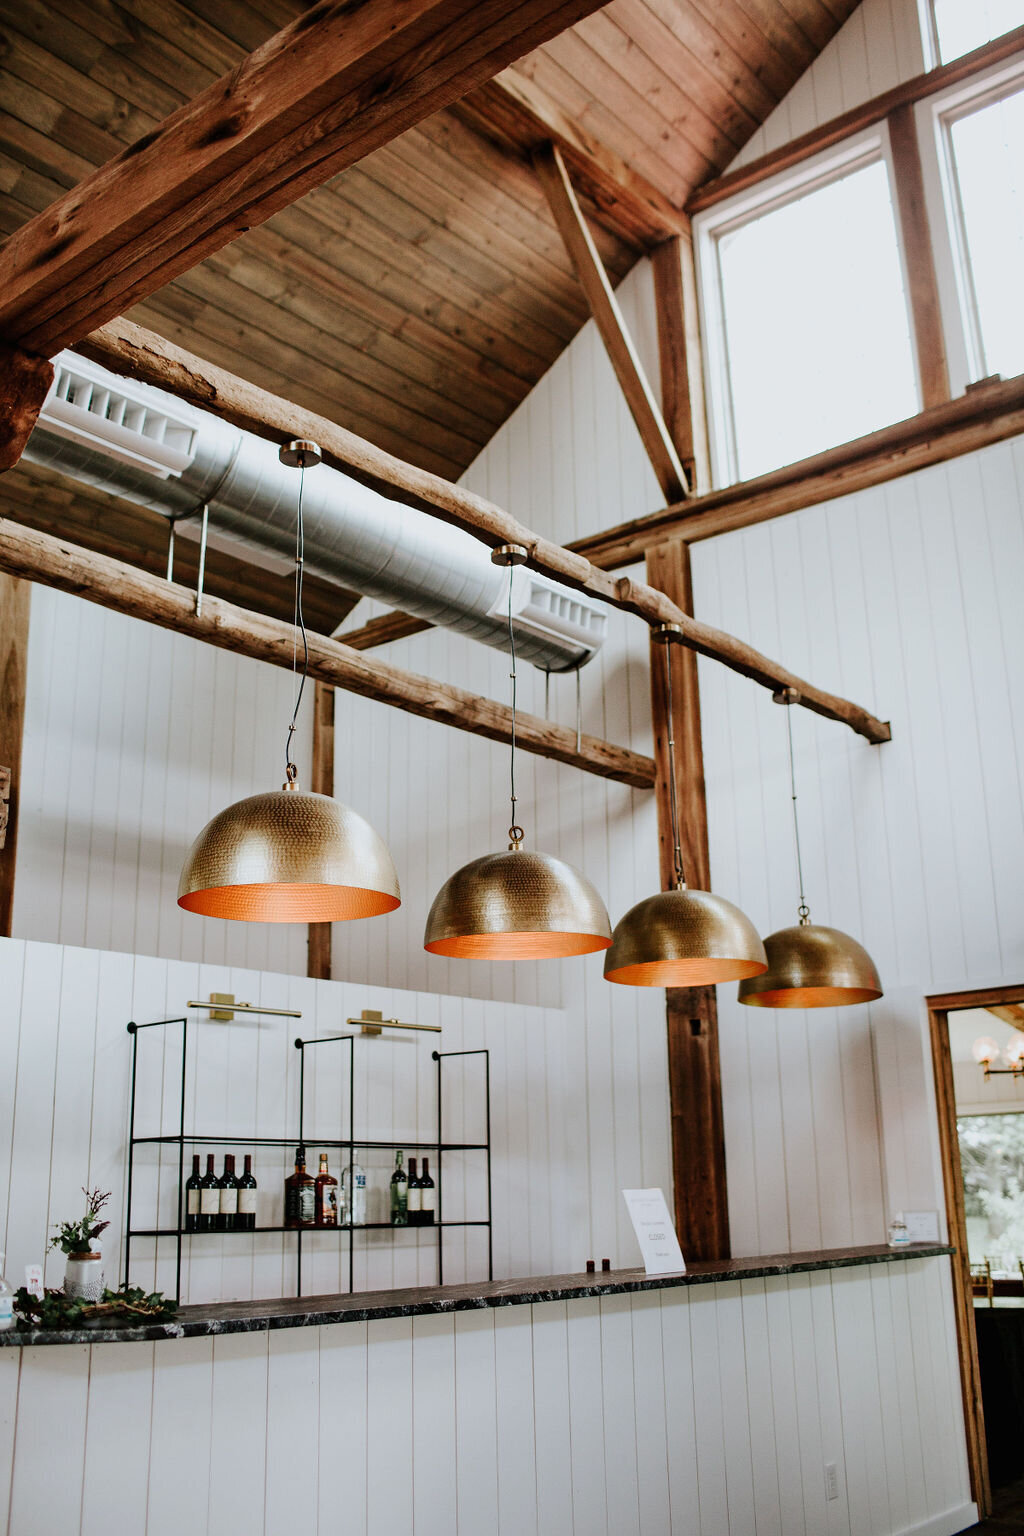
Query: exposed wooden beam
x,y
858,118
321,782
517,114
694,1068
128,349
922,282
1009,1013
14,615
987,413
338,82
111,584
24,384
680,357
382,630
622,354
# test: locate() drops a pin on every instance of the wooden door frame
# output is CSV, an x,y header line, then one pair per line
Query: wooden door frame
x,y
940,1006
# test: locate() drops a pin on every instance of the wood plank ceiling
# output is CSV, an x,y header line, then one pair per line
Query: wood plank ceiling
x,y
419,296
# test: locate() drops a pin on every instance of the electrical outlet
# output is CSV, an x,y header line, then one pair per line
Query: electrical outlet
x,y
831,1480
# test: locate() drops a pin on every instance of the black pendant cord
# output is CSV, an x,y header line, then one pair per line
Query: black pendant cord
x,y
515,831
803,911
290,770
677,851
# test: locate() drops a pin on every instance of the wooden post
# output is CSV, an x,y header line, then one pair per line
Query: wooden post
x,y
695,1083
922,283
318,961
24,385
679,357
14,609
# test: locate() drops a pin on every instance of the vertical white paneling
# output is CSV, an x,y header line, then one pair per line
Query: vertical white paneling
x,y
551,1417
291,1459
344,1362
116,1485
476,1430
238,1433
52,1398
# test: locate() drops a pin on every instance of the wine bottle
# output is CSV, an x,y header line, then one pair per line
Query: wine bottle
x,y
428,1196
300,1194
227,1220
209,1198
247,1197
192,1189
399,1194
353,1180
414,1207
326,1196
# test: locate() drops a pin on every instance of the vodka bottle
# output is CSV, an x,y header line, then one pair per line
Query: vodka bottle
x,y
353,1179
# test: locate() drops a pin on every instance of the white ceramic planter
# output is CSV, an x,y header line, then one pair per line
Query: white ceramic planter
x,y
83,1276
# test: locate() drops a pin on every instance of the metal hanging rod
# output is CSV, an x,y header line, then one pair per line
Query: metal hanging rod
x,y
371,1021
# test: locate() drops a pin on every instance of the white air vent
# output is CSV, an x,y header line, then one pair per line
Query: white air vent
x,y
116,417
545,608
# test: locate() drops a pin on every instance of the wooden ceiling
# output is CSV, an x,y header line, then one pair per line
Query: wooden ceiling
x,y
419,296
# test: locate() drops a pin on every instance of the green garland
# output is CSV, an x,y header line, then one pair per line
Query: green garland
x,y
128,1305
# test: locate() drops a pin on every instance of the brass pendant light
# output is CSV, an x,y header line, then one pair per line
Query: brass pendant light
x,y
516,905
810,966
289,856
680,937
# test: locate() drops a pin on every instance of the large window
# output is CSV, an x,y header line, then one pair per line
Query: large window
x,y
963,25
806,318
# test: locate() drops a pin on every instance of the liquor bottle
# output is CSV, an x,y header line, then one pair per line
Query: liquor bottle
x,y
247,1197
399,1194
300,1194
428,1196
192,1189
414,1207
353,1179
326,1196
6,1300
227,1221
209,1198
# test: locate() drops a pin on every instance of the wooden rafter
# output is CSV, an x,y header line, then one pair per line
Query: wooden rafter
x,y
339,82
15,597
384,629
24,384
124,589
922,282
622,354
1008,1013
128,349
680,356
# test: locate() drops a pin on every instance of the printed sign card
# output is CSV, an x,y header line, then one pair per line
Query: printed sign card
x,y
655,1232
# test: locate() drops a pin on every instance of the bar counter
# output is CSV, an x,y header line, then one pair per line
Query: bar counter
x,y
315,1311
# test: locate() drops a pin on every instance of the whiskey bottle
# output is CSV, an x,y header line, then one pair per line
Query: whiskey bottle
x,y
326,1196
414,1207
300,1194
399,1194
428,1196
192,1189
209,1198
353,1179
247,1198
227,1220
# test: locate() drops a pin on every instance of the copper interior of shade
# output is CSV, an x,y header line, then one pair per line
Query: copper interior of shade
x,y
289,903
812,997
517,946
699,972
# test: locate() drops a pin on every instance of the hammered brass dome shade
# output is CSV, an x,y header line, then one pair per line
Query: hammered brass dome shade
x,y
288,857
516,906
683,938
812,967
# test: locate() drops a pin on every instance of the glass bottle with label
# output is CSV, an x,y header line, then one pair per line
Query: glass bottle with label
x,y
247,1198
209,1198
300,1194
228,1219
353,1179
6,1300
326,1195
192,1193
414,1195
428,1196
399,1194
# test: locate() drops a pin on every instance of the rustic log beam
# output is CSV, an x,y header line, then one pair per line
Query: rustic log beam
x,y
922,282
321,782
24,385
14,618
987,413
39,557
680,357
516,114
338,82
1008,1013
578,241
128,349
866,115
382,630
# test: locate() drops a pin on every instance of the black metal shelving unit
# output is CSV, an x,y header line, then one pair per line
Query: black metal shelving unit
x,y
181,1140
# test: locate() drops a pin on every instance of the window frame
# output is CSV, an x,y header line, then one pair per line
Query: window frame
x,y
854,153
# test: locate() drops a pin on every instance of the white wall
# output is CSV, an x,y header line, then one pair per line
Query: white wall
x,y
711,1412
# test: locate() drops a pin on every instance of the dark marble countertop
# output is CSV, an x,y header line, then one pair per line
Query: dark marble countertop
x,y
312,1311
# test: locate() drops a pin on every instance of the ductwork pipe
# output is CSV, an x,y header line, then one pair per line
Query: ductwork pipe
x,y
152,449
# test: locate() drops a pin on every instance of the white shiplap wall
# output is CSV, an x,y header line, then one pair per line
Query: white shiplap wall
x,y
711,1412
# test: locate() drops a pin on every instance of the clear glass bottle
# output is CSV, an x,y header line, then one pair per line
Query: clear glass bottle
x,y
353,1179
899,1237
6,1300
399,1194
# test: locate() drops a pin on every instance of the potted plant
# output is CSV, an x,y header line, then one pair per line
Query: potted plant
x,y
83,1273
